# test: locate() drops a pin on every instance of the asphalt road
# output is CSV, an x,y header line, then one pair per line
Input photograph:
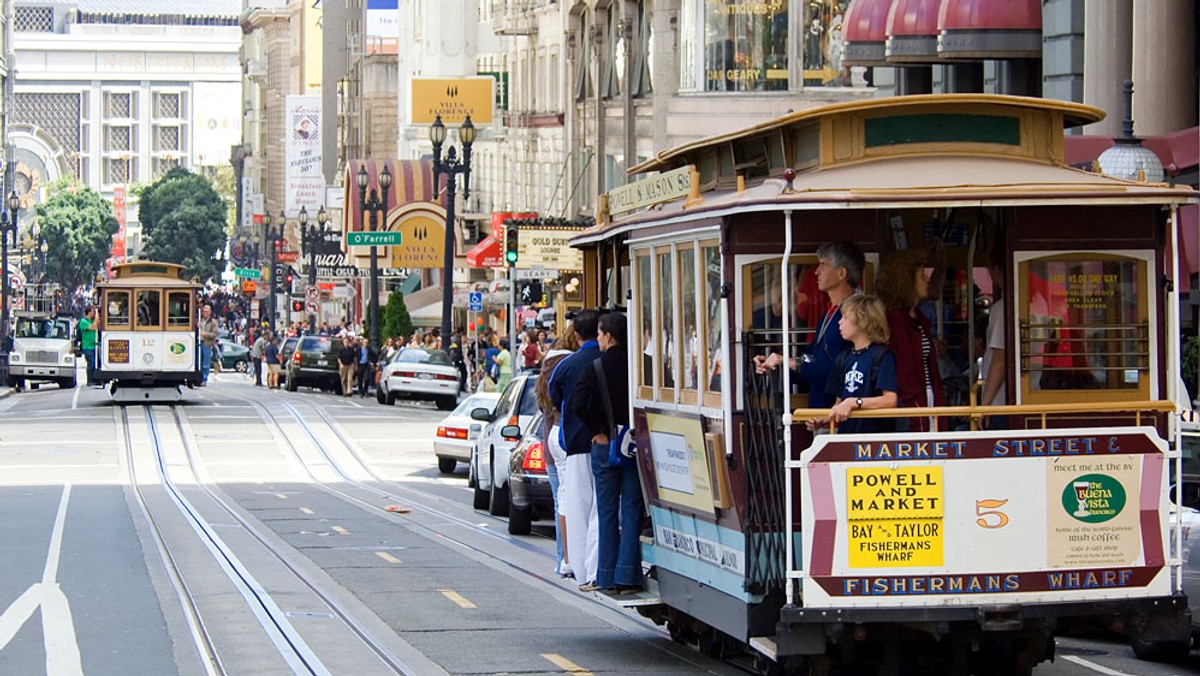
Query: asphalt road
x,y
255,531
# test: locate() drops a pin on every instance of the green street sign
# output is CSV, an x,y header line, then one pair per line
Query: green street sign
x,y
248,273
389,238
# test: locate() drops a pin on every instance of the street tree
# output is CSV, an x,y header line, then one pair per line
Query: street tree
x,y
183,221
77,224
396,321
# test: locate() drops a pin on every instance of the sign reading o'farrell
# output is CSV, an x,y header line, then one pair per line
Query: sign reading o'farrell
x,y
454,99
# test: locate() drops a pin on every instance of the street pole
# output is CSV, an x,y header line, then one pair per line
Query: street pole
x,y
374,301
312,274
512,313
448,265
5,292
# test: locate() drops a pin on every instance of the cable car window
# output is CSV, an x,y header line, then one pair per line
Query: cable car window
x,y
646,315
711,373
690,341
116,309
179,309
665,334
1084,326
149,311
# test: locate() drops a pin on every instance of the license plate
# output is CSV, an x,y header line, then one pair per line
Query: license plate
x,y
425,376
322,362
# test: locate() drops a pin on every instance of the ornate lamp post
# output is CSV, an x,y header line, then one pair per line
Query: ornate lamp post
x,y
8,228
451,166
313,236
374,205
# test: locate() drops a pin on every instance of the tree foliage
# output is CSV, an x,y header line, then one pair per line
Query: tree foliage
x,y
396,321
183,221
77,224
225,183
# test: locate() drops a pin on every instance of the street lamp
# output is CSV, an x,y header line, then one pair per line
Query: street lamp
x,y
8,228
451,167
374,205
312,238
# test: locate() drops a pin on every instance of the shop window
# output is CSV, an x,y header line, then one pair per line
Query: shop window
x,y
822,43
179,310
116,310
1085,329
745,45
149,309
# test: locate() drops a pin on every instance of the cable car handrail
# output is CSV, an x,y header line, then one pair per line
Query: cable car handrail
x,y
1157,406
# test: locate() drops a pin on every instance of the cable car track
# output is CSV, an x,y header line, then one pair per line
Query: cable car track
x,y
287,639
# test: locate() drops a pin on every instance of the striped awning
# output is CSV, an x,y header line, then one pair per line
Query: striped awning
x,y
412,181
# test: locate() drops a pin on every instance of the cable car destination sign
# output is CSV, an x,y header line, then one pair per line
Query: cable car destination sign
x,y
665,187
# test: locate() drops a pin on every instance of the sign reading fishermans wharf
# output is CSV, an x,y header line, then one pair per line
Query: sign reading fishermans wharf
x,y
665,187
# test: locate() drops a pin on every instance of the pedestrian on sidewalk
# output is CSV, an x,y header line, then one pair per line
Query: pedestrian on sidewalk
x,y
368,359
347,358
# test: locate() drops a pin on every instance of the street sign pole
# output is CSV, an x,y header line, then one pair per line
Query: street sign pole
x,y
512,315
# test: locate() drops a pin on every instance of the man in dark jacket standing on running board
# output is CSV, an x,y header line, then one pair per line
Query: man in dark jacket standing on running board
x,y
578,487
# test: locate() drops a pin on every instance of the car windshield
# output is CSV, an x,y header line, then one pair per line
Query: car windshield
x,y
316,344
416,355
43,328
475,401
529,398
535,428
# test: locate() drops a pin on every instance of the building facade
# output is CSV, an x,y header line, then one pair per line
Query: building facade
x,y
116,93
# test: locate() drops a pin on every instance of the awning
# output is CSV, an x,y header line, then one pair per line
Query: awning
x,y
486,254
865,32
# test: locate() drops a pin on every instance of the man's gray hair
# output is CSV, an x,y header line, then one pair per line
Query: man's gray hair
x,y
847,255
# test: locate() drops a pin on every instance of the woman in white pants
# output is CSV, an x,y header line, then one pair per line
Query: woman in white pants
x,y
578,498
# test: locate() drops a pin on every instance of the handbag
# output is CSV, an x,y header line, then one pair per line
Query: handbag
x,y
622,448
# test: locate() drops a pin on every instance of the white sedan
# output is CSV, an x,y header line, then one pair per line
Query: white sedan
x,y
418,373
456,433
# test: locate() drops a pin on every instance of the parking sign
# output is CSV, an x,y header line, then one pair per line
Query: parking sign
x,y
475,301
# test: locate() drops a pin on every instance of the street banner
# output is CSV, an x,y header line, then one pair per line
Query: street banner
x,y
304,182
383,26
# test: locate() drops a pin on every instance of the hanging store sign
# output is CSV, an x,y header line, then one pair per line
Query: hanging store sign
x,y
304,184
547,249
665,187
454,99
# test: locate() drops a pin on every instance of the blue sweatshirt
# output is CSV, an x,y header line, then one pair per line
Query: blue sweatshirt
x,y
577,437
827,344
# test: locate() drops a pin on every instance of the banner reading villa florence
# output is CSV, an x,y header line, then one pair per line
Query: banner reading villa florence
x,y
304,184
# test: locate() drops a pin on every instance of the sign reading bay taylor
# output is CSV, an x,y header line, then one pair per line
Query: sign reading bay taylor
x,y
665,187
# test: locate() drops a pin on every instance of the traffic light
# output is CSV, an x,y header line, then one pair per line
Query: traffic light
x,y
297,306
291,277
510,244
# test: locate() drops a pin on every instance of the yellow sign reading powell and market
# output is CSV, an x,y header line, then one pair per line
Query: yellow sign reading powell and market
x,y
895,516
454,99
665,187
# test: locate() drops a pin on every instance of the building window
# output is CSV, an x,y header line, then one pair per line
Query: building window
x,y
744,44
166,138
643,58
166,105
117,170
118,138
119,105
164,164
33,19
612,46
822,43
583,81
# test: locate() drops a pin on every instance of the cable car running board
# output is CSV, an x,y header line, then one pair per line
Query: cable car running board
x,y
146,395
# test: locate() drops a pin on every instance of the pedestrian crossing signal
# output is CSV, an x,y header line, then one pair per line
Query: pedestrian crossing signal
x,y
297,306
510,245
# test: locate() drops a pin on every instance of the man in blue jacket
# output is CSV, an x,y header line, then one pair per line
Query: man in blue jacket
x,y
578,490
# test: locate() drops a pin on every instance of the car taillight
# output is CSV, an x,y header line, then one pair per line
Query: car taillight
x,y
534,461
451,432
443,376
296,357
405,374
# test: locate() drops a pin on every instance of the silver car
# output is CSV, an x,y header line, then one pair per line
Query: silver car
x,y
419,373
489,463
456,433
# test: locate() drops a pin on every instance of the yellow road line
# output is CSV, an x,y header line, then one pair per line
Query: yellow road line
x,y
339,530
306,510
457,598
566,664
387,557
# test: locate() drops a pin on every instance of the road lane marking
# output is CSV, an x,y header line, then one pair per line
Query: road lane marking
x,y
75,397
281,496
306,510
566,664
457,598
1087,664
339,530
387,557
50,574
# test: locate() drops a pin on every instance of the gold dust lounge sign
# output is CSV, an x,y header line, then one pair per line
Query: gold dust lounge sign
x,y
453,99
423,238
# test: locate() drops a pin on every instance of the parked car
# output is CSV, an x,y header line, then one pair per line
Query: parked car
x,y
489,459
528,483
314,363
418,373
233,356
456,433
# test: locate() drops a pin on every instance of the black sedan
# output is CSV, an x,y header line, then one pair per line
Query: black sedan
x,y
528,483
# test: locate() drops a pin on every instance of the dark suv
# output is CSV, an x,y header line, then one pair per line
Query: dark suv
x,y
313,364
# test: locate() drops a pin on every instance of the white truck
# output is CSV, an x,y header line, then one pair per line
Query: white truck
x,y
42,351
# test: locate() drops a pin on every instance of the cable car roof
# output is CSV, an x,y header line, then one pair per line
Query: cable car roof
x,y
149,273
